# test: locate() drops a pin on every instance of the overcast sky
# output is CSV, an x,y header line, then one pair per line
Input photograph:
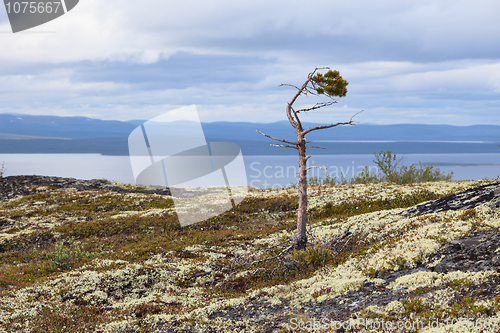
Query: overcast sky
x,y
428,62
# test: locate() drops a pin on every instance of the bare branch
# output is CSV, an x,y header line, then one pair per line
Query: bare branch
x,y
271,258
335,240
258,270
315,167
304,86
315,147
297,119
317,106
290,85
300,91
317,69
350,122
327,126
290,118
202,274
284,146
285,141
308,157
308,91
356,115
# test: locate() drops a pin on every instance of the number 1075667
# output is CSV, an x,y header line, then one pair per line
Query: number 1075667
x,y
33,7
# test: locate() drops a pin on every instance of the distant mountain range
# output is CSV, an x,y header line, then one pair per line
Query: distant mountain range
x,y
53,134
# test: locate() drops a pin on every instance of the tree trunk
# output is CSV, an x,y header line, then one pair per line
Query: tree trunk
x,y
300,241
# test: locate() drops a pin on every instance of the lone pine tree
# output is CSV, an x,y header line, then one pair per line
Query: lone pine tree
x,y
333,86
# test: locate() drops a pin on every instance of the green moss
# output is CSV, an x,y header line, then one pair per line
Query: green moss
x,y
120,226
366,313
463,307
363,206
90,204
68,318
459,284
284,203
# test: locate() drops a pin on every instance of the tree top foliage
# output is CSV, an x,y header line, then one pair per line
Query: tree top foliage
x,y
331,83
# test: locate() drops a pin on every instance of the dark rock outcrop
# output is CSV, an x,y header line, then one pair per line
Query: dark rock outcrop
x,y
479,252
13,186
464,200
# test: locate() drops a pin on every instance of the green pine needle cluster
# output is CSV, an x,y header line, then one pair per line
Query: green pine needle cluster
x,y
330,83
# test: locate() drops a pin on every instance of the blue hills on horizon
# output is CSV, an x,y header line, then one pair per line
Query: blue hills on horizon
x,y
54,134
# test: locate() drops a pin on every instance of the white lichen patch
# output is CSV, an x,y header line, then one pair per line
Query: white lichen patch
x,y
425,279
440,298
380,191
339,280
394,307
144,213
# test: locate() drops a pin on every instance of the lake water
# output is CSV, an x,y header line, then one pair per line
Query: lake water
x,y
262,171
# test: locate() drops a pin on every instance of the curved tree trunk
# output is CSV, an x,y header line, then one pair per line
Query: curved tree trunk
x,y
300,241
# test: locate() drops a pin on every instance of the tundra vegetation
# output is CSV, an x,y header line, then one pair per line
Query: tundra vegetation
x,y
79,260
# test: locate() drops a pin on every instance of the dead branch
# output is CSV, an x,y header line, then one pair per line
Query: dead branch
x,y
315,167
259,269
296,117
280,140
343,246
315,128
350,122
315,147
317,106
283,146
271,258
335,240
290,85
197,275
311,232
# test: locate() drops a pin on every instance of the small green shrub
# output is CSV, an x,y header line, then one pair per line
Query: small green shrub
x,y
2,170
64,257
388,171
388,165
364,177
312,258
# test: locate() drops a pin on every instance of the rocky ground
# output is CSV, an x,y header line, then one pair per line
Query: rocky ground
x,y
11,187
95,256
471,254
476,253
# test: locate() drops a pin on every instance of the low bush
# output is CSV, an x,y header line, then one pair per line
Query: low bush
x,y
389,170
66,257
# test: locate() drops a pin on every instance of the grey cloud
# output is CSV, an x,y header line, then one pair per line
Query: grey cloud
x,y
179,71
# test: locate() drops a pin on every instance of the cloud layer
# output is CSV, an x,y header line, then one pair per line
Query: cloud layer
x,y
406,62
